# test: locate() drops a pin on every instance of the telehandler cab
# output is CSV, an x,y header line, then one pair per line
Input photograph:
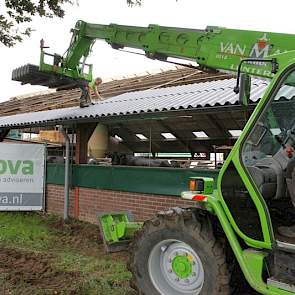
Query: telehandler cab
x,y
247,216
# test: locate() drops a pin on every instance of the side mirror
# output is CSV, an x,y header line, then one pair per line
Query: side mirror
x,y
245,89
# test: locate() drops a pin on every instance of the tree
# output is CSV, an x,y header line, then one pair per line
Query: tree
x,y
14,21
18,13
134,2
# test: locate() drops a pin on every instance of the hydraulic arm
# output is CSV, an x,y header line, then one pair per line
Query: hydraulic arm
x,y
213,48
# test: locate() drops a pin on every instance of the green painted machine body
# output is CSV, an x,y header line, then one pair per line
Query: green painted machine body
x,y
252,260
213,48
117,226
117,230
204,185
219,49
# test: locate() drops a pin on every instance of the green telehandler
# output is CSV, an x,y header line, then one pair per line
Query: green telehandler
x,y
247,216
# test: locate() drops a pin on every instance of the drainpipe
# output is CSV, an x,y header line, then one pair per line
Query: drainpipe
x,y
67,174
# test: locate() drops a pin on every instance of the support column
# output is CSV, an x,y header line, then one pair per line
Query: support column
x,y
83,133
3,134
67,174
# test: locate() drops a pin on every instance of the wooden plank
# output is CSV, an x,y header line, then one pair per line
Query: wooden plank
x,y
69,98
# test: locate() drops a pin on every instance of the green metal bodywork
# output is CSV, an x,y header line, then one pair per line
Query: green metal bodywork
x,y
213,48
182,266
117,227
251,262
207,184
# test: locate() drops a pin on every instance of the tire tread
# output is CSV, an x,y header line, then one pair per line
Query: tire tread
x,y
198,224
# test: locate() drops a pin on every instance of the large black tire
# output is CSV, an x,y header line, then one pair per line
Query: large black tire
x,y
191,227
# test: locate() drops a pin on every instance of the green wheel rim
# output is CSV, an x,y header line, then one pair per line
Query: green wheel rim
x,y
175,268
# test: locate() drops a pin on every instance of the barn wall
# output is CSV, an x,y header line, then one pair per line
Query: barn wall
x,y
92,201
145,180
141,190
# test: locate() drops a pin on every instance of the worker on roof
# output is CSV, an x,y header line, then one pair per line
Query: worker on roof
x,y
93,86
87,90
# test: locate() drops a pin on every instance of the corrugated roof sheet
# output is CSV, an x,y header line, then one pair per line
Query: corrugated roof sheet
x,y
70,98
207,94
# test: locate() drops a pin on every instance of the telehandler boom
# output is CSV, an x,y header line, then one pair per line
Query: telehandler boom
x,y
214,48
247,216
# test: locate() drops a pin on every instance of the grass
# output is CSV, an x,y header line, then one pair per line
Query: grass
x,y
24,230
41,255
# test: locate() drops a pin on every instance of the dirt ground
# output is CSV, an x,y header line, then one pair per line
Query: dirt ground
x,y
39,254
42,255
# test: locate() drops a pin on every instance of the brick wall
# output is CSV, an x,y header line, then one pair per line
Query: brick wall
x,y
92,201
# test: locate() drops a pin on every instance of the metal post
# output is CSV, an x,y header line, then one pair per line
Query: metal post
x,y
150,148
215,157
67,174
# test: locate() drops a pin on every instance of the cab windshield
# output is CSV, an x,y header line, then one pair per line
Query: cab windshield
x,y
273,128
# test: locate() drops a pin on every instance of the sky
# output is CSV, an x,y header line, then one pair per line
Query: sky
x,y
263,15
